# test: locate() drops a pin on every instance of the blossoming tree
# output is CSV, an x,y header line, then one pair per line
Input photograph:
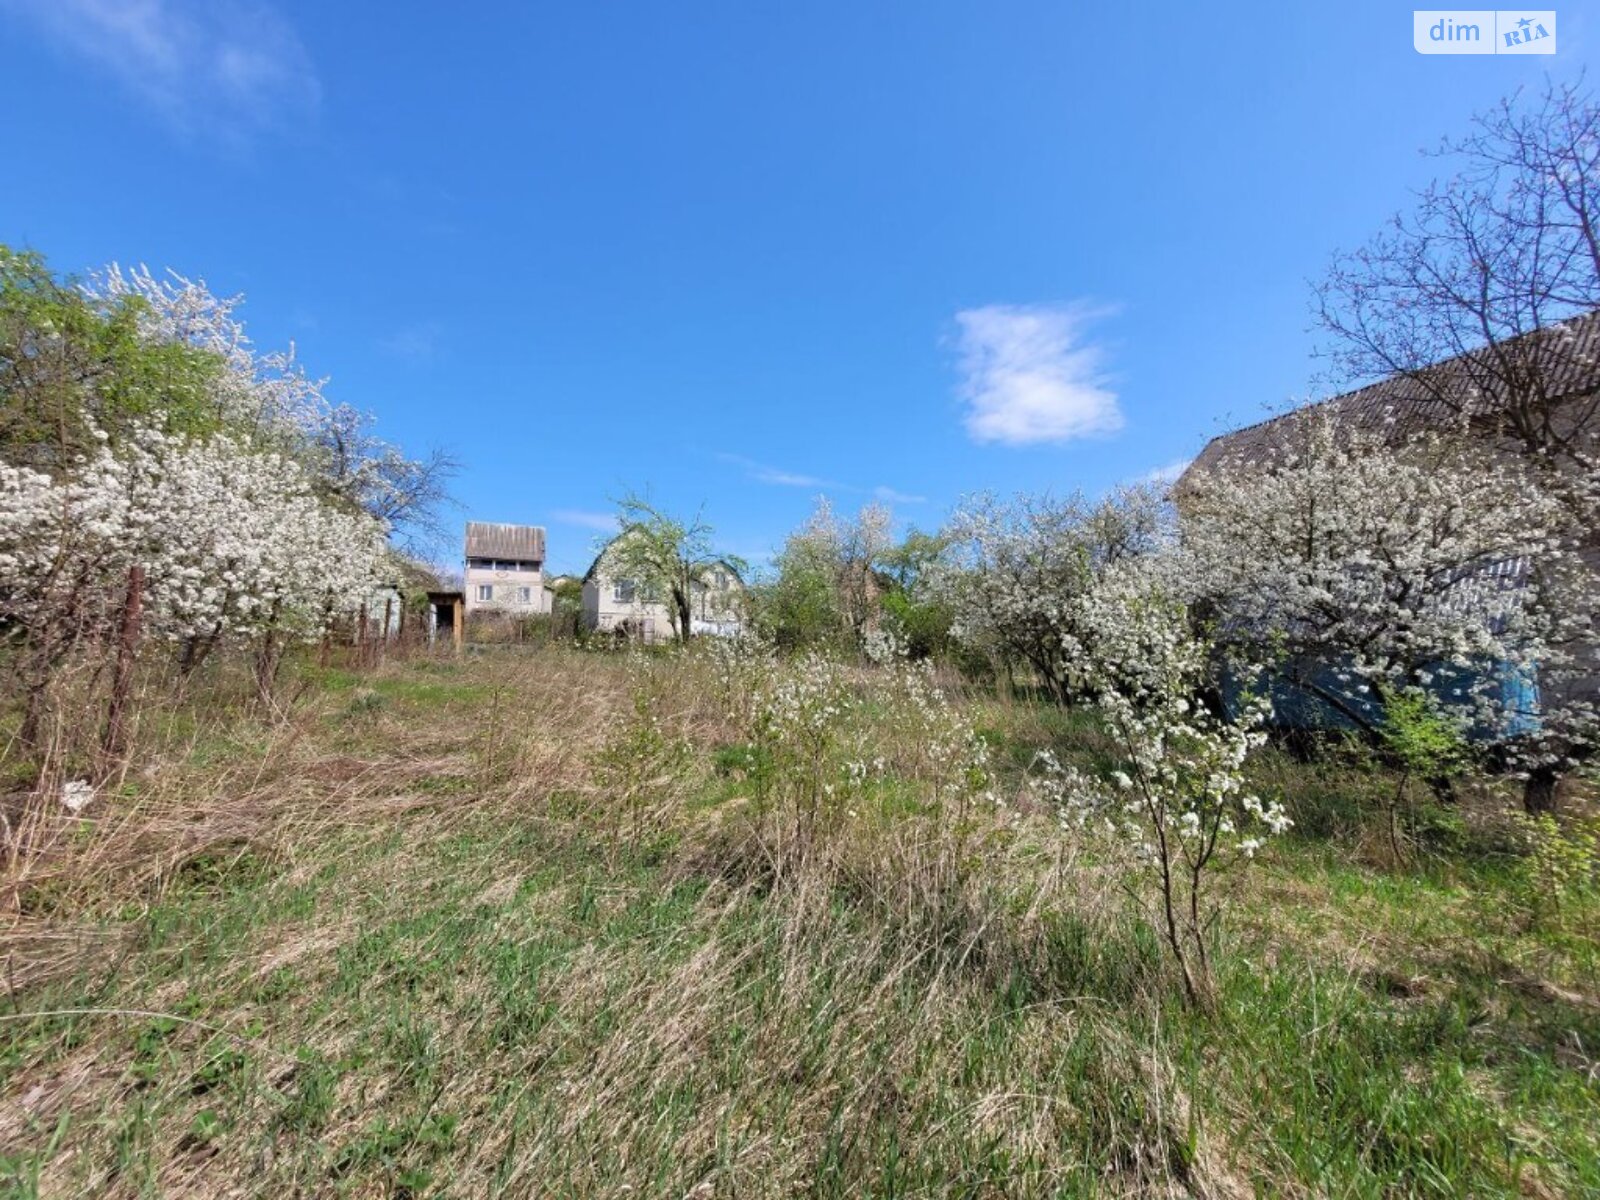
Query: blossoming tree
x,y
179,493
1179,795
1356,568
1017,572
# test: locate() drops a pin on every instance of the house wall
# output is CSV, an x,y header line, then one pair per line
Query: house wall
x,y
381,602
1522,697
503,594
1588,684
712,611
716,609
602,610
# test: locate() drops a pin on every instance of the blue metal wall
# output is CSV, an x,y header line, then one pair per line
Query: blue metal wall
x,y
1297,692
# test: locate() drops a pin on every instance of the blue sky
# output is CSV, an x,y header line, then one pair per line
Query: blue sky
x,y
743,254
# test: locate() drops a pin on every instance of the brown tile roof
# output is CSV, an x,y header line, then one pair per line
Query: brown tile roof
x,y
1567,355
522,543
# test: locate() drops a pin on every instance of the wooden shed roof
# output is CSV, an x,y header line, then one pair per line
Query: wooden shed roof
x,y
520,543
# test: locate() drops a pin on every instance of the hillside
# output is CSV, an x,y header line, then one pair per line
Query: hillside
x,y
549,923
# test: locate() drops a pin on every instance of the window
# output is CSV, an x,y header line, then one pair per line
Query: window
x,y
622,591
485,592
524,595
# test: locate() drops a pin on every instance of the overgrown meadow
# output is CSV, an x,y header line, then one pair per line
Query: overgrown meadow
x,y
1237,837
711,923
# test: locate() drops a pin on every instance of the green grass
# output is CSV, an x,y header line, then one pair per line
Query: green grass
x,y
489,992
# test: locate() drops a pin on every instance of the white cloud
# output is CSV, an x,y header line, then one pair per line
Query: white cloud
x,y
782,478
415,342
1167,474
228,69
890,496
1030,375
779,477
604,521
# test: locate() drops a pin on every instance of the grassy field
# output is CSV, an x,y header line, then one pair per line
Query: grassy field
x,y
510,927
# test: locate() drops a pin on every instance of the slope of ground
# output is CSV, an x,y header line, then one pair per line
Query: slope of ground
x,y
503,928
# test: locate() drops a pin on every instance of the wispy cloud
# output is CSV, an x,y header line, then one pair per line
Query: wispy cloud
x,y
229,69
1167,474
890,496
415,342
1030,374
779,477
584,519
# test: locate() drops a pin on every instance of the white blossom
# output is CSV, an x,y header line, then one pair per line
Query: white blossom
x,y
1439,562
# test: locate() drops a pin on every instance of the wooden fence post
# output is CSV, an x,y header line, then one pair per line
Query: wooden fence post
x,y
458,624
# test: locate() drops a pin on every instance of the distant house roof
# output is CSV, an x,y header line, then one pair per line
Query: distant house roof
x,y
1567,356
520,543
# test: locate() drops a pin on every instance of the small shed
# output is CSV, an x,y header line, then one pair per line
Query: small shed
x,y
447,610
380,615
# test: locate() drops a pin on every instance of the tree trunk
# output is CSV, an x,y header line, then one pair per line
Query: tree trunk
x,y
1539,793
196,649
680,602
33,715
111,747
268,656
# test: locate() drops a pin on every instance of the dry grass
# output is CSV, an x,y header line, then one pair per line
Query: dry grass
x,y
473,929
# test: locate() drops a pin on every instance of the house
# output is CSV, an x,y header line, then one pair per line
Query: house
x,y
1545,383
1557,368
504,569
1557,374
613,602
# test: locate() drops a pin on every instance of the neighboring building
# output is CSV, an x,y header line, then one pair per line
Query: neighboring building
x,y
1565,358
613,602
504,571
1565,361
381,613
716,605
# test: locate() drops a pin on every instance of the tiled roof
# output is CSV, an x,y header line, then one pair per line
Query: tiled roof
x,y
1567,356
522,543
